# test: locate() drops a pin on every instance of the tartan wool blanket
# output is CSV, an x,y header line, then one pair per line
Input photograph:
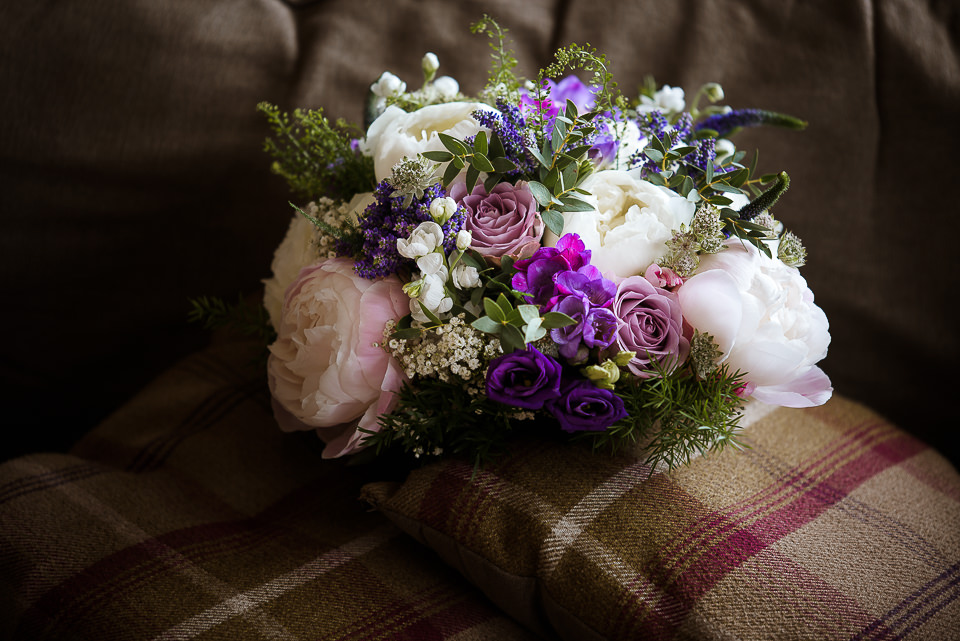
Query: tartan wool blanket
x,y
189,515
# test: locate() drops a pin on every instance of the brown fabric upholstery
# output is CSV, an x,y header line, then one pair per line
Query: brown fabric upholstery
x,y
131,176
832,525
189,515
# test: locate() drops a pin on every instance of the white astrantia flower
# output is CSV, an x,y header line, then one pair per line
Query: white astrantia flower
x,y
424,240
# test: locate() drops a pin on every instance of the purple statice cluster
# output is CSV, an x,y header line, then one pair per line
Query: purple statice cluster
x,y
679,134
561,279
389,219
510,126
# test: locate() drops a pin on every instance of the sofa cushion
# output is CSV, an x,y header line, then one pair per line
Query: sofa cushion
x,y
834,524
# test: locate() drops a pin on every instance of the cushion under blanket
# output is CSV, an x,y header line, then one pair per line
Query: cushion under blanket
x,y
189,515
832,525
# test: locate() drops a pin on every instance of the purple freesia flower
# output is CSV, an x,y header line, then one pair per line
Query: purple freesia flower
x,y
524,378
593,327
588,282
535,275
569,88
582,406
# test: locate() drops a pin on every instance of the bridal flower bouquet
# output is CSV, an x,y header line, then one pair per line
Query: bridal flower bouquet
x,y
548,257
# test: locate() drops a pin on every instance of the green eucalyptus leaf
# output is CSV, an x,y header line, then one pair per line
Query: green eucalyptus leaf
x,y
504,303
683,151
553,320
430,315
533,331
540,158
487,325
573,203
728,189
528,312
450,174
496,146
491,182
493,311
473,174
553,220
480,143
653,154
540,192
503,165
406,334
656,179
515,318
456,146
482,163
437,156
511,339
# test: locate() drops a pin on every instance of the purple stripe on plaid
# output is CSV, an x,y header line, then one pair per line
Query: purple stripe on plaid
x,y
26,485
704,572
205,415
787,485
919,606
416,619
712,566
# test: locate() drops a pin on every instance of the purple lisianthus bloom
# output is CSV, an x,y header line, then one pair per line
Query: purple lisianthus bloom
x,y
582,406
524,378
535,275
503,222
652,326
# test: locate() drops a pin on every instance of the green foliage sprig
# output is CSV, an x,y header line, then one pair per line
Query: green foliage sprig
x,y
677,415
215,313
315,156
502,81
480,156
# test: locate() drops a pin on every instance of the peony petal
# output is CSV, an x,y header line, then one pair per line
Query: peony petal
x,y
711,303
809,390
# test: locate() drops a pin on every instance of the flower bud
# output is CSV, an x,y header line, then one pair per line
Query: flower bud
x,y
429,64
604,375
713,91
464,238
388,85
413,288
446,87
441,209
622,359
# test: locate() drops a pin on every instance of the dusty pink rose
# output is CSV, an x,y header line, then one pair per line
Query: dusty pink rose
x,y
326,370
504,222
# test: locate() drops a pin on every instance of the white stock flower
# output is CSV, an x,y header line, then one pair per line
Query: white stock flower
x,y
464,238
397,134
465,276
386,86
423,240
667,98
441,209
432,295
432,263
446,87
761,314
631,224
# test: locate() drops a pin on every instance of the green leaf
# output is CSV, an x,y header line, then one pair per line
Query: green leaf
x,y
550,181
503,165
406,334
430,315
753,163
493,311
456,146
491,182
437,156
768,178
473,174
540,158
528,312
515,318
687,186
480,143
553,320
726,188
573,203
504,303
481,162
656,179
653,154
683,151
540,192
658,145
553,220
487,325
534,331
496,146
511,339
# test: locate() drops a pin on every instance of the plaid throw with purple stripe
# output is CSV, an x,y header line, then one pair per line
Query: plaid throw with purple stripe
x,y
833,525
189,515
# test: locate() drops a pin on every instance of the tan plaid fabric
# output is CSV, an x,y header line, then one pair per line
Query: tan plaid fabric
x,y
834,525
189,515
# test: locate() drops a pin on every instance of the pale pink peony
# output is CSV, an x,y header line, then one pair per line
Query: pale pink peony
x,y
761,314
326,369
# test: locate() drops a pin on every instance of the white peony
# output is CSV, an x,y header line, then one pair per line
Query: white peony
x,y
761,314
397,134
632,222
